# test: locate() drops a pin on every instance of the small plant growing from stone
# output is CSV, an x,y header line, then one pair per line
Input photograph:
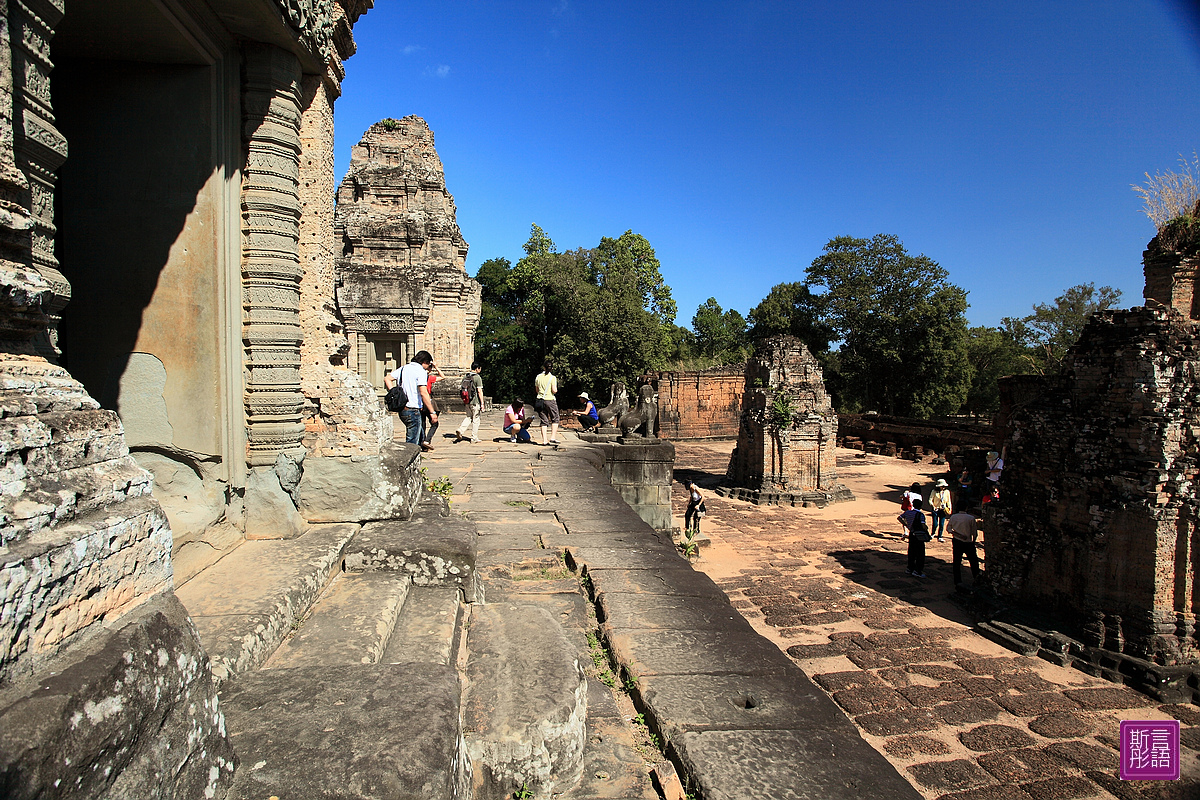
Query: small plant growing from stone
x,y
442,486
783,413
600,661
524,793
390,124
688,545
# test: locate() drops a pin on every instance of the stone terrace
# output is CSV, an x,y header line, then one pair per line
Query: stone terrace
x,y
960,717
738,717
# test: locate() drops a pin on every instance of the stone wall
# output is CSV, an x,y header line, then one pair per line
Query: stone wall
x,y
787,435
1099,520
402,282
699,404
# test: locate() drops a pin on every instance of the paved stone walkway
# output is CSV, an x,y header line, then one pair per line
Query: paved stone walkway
x,y
725,703
959,716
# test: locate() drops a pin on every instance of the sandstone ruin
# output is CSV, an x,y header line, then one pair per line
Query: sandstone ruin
x,y
787,432
402,286
1097,529
177,265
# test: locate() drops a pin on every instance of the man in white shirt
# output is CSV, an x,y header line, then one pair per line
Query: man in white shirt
x,y
413,377
964,531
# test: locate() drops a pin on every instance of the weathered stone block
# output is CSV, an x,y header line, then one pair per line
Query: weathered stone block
x,y
362,488
525,704
270,513
130,713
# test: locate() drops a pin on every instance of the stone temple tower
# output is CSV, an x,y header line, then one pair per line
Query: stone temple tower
x,y
402,285
788,431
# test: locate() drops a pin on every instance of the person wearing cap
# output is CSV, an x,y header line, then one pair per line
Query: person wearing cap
x,y
995,465
589,417
939,507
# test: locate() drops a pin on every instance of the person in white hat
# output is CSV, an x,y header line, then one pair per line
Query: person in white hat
x,y
939,507
589,417
995,466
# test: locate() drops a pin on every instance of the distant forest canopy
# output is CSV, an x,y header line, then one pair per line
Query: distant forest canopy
x,y
889,328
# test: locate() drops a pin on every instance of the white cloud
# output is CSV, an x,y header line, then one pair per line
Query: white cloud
x,y
440,71
409,49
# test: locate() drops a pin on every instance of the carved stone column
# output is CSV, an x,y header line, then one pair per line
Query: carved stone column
x,y
270,253
39,148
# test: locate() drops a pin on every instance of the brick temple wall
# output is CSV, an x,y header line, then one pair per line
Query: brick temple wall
x,y
703,404
1098,520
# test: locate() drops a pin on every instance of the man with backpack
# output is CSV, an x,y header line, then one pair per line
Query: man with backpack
x,y
413,380
471,391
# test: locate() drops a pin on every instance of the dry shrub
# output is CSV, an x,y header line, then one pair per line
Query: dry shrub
x,y
1168,196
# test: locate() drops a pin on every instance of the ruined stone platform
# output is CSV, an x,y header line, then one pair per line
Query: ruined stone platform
x,y
345,668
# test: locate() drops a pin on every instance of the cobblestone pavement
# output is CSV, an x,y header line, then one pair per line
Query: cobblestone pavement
x,y
961,717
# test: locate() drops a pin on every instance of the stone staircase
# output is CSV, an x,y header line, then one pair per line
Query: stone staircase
x,y
346,671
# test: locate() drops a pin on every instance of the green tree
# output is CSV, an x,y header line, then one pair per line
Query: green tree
x,y
993,354
602,314
720,335
901,323
792,308
1051,330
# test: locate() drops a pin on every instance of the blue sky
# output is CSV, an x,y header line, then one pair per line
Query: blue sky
x,y
1000,139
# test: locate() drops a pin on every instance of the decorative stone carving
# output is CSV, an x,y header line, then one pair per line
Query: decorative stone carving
x,y
401,275
270,252
38,147
617,405
787,435
313,22
640,421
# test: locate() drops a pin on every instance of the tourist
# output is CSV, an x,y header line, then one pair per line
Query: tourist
x,y
995,466
918,535
472,384
992,496
906,503
964,530
939,506
429,411
695,510
545,405
966,488
589,417
515,422
414,380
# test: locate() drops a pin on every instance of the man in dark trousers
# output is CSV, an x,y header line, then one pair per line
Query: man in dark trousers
x,y
964,531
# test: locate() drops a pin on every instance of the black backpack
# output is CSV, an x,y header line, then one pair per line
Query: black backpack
x,y
395,400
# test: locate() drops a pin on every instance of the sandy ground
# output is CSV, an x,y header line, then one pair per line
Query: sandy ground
x,y
959,716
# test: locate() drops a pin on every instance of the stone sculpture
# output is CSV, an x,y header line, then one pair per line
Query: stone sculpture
x,y
618,405
640,421
787,433
402,282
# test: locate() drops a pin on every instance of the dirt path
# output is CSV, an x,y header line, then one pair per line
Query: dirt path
x,y
959,716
